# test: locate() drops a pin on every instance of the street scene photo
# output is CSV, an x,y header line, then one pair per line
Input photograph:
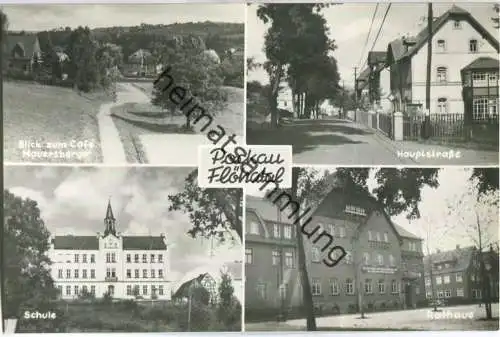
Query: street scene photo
x,y
119,250
79,84
368,249
375,83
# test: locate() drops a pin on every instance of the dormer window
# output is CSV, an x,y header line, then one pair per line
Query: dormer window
x,y
457,24
473,47
355,210
254,228
441,46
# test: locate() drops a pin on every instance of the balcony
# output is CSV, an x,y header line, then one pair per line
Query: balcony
x,y
111,279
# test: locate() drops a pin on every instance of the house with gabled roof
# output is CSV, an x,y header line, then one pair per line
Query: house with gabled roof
x,y
124,266
458,39
23,52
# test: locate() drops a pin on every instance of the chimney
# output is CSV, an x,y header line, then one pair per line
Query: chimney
x,y
408,41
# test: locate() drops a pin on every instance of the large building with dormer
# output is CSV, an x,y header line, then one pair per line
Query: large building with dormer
x,y
124,266
383,262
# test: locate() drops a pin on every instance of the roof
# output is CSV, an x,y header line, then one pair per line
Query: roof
x,y
462,256
212,55
183,289
404,233
26,42
365,74
397,51
376,57
140,54
71,242
144,243
483,63
265,209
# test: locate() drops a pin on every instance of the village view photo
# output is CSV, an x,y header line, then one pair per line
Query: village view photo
x,y
78,85
375,83
119,250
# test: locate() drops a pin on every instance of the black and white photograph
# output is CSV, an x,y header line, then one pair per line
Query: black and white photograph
x,y
81,83
119,250
374,249
375,83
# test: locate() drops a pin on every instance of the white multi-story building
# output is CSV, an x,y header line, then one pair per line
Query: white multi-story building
x,y
123,266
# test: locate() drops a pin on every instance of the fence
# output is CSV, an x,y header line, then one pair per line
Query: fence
x,y
385,124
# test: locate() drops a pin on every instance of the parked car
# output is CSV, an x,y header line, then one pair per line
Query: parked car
x,y
437,303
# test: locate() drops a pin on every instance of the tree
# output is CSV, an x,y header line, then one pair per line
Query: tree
x,y
199,76
212,211
226,291
4,24
27,281
83,63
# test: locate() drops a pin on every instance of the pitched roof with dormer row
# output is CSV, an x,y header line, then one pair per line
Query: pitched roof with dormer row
x,y
459,259
397,50
70,242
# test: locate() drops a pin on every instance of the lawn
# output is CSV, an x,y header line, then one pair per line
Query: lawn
x,y
47,114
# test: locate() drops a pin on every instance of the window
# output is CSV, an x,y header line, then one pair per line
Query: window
x,y
84,258
446,279
428,294
381,286
254,228
394,287
379,239
380,259
60,273
439,280
341,232
153,290
108,257
287,232
476,293
366,258
276,257
439,267
84,273
289,260
77,258
473,46
447,265
113,257
160,290
145,290
76,290
152,271
428,281
262,291
368,286
349,287
144,273
136,258
129,290
447,293
331,228
129,273
136,273
473,278
458,278
276,231
160,258
334,287
457,24
316,287
441,45
92,273
160,273
248,255
108,272
441,74
442,105
392,261
355,210
460,292
370,236
315,254
144,258
60,289
68,273
92,290
386,237
92,258
440,294
68,290
480,108
76,273
152,258
129,258
348,257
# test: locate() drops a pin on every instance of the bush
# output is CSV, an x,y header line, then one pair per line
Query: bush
x,y
18,74
352,309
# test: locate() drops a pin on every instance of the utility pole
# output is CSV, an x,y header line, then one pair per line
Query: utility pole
x,y
355,92
343,99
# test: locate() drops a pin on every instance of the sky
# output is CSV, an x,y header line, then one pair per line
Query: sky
x,y
74,200
443,214
35,17
349,26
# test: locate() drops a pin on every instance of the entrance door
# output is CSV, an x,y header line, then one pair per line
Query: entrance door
x,y
408,295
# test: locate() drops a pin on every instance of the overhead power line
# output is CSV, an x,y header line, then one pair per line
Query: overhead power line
x,y
379,30
368,35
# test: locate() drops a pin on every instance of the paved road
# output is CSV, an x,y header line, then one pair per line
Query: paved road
x,y
111,145
450,318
